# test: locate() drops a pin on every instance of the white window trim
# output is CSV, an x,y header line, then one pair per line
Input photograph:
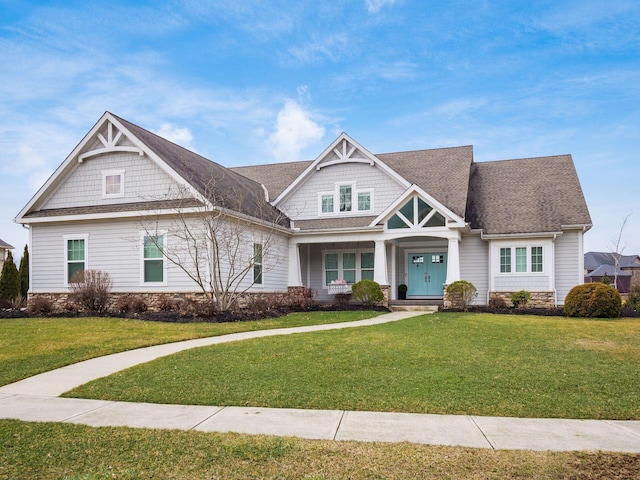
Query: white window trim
x,y
82,236
253,283
354,200
358,266
164,260
105,174
528,270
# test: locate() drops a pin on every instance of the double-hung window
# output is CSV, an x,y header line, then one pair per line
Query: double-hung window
x,y
75,255
346,198
505,260
153,260
536,259
257,264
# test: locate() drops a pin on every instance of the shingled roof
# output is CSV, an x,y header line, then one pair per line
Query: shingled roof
x,y
276,177
220,185
530,195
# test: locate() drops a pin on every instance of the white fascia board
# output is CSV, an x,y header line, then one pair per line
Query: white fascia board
x,y
511,236
106,216
415,189
372,159
582,226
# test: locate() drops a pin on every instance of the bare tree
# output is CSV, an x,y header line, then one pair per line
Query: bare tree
x,y
618,249
223,238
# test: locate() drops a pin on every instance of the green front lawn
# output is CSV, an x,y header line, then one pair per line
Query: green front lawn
x,y
449,363
29,346
48,451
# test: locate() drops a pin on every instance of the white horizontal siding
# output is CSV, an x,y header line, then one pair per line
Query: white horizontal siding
x,y
143,181
568,260
115,247
303,203
474,265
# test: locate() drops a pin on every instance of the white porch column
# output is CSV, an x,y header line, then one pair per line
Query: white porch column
x,y
453,261
295,277
380,266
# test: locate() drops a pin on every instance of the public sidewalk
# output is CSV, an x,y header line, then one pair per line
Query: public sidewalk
x,y
37,399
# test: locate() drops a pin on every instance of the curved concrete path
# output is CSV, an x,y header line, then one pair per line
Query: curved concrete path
x,y
37,399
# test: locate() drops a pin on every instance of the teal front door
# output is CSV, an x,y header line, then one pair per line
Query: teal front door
x,y
427,274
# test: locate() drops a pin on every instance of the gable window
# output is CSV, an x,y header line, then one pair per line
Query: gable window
x,y
257,263
153,262
346,198
327,203
75,255
416,213
350,266
113,183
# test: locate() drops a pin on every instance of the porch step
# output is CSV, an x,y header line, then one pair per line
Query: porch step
x,y
414,305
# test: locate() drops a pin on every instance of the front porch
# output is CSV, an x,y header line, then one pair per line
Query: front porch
x,y
424,264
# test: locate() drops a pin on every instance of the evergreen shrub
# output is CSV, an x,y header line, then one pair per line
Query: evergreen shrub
x,y
593,300
367,291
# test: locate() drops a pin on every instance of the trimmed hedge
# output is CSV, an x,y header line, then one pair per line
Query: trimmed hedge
x,y
593,300
367,291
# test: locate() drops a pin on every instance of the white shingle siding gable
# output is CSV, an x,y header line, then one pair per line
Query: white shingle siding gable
x,y
143,181
303,204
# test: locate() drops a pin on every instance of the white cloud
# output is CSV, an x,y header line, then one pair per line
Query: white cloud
x,y
180,135
295,130
374,6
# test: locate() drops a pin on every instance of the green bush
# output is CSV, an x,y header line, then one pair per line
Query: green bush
x,y
367,291
461,293
633,302
521,298
593,300
9,279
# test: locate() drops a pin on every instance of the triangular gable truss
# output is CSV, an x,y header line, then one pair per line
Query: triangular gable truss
x,y
107,135
343,149
110,139
418,218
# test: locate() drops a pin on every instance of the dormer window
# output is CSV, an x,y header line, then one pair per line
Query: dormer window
x,y
345,198
113,183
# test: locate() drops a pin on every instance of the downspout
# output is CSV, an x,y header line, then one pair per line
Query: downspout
x,y
553,272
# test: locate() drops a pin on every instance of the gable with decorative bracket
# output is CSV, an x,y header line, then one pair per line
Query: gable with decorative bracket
x,y
108,140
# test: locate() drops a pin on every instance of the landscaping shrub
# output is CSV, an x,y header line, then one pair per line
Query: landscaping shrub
x,y
461,293
497,302
593,300
130,304
300,298
633,302
367,291
91,289
521,298
168,304
40,306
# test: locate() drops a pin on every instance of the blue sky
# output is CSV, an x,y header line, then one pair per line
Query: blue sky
x,y
244,82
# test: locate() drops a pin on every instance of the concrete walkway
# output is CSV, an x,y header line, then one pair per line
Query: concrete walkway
x,y
37,399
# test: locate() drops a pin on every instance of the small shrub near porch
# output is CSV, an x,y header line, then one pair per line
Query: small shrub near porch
x,y
367,291
461,293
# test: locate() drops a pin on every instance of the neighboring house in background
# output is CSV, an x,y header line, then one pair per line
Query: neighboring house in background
x,y
421,218
4,250
597,265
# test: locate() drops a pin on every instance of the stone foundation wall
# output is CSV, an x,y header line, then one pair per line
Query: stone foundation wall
x,y
162,301
538,299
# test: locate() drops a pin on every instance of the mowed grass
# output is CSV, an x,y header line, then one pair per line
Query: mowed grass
x,y
445,363
29,346
74,452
